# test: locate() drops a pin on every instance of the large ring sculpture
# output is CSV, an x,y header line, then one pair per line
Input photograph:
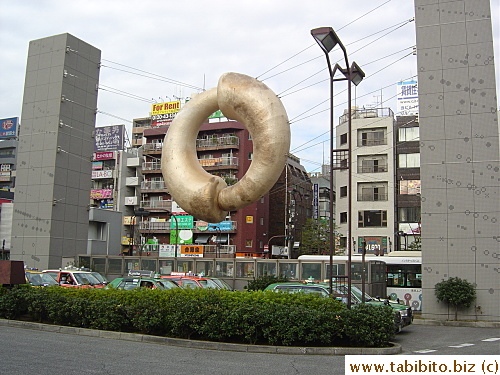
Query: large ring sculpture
x,y
252,103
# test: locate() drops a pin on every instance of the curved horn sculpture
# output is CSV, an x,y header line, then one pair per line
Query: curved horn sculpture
x,y
248,101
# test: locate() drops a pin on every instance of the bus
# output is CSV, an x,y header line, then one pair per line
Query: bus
x,y
401,274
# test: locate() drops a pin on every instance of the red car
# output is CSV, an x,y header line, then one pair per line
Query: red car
x,y
75,279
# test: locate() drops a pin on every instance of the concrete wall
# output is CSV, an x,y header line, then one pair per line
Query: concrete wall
x,y
55,147
105,231
459,152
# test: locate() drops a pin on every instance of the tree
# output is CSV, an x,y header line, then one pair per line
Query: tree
x,y
456,292
416,245
316,238
260,283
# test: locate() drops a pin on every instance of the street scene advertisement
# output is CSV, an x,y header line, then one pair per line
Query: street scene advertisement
x,y
109,138
163,113
407,97
8,127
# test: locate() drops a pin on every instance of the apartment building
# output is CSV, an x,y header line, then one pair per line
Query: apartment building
x,y
372,188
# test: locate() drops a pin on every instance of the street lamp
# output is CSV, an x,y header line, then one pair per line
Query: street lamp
x,y
327,39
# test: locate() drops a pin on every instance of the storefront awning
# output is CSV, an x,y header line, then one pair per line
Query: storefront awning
x,y
202,238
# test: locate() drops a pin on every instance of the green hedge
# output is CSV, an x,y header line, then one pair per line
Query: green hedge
x,y
266,318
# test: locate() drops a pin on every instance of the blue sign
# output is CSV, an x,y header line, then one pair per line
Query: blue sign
x,y
8,127
315,201
222,226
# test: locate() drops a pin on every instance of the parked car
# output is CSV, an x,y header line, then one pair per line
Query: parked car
x,y
221,283
133,282
75,278
340,292
198,282
38,278
100,277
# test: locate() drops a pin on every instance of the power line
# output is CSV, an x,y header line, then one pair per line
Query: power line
x,y
351,22
124,93
150,75
296,118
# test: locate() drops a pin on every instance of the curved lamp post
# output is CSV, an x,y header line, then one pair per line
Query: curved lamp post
x,y
327,39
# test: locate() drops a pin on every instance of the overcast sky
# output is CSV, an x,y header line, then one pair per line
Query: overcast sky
x,y
194,41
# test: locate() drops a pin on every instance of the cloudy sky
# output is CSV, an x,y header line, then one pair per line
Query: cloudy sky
x,y
163,50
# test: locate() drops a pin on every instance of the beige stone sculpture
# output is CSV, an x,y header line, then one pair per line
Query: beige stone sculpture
x,y
252,103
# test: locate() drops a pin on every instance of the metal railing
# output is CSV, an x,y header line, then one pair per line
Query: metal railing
x,y
153,185
217,162
151,166
357,113
372,197
157,204
372,169
226,140
152,147
372,142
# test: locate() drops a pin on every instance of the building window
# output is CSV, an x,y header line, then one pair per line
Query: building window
x,y
343,139
343,191
409,214
372,218
371,192
409,160
372,137
372,163
409,134
343,217
248,243
250,156
261,221
409,187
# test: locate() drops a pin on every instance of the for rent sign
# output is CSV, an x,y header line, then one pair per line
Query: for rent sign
x,y
164,113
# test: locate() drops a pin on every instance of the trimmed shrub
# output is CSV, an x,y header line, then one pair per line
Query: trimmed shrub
x,y
368,325
259,317
456,292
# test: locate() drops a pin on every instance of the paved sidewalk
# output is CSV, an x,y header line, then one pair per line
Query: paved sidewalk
x,y
456,323
195,344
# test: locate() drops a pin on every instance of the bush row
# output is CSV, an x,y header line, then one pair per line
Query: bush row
x,y
266,318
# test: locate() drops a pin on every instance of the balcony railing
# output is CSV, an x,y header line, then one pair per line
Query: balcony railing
x,y
153,185
357,113
227,140
218,162
166,225
151,166
148,147
372,142
157,204
154,226
372,197
372,169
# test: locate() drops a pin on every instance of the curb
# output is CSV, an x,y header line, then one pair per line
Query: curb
x,y
456,323
207,345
